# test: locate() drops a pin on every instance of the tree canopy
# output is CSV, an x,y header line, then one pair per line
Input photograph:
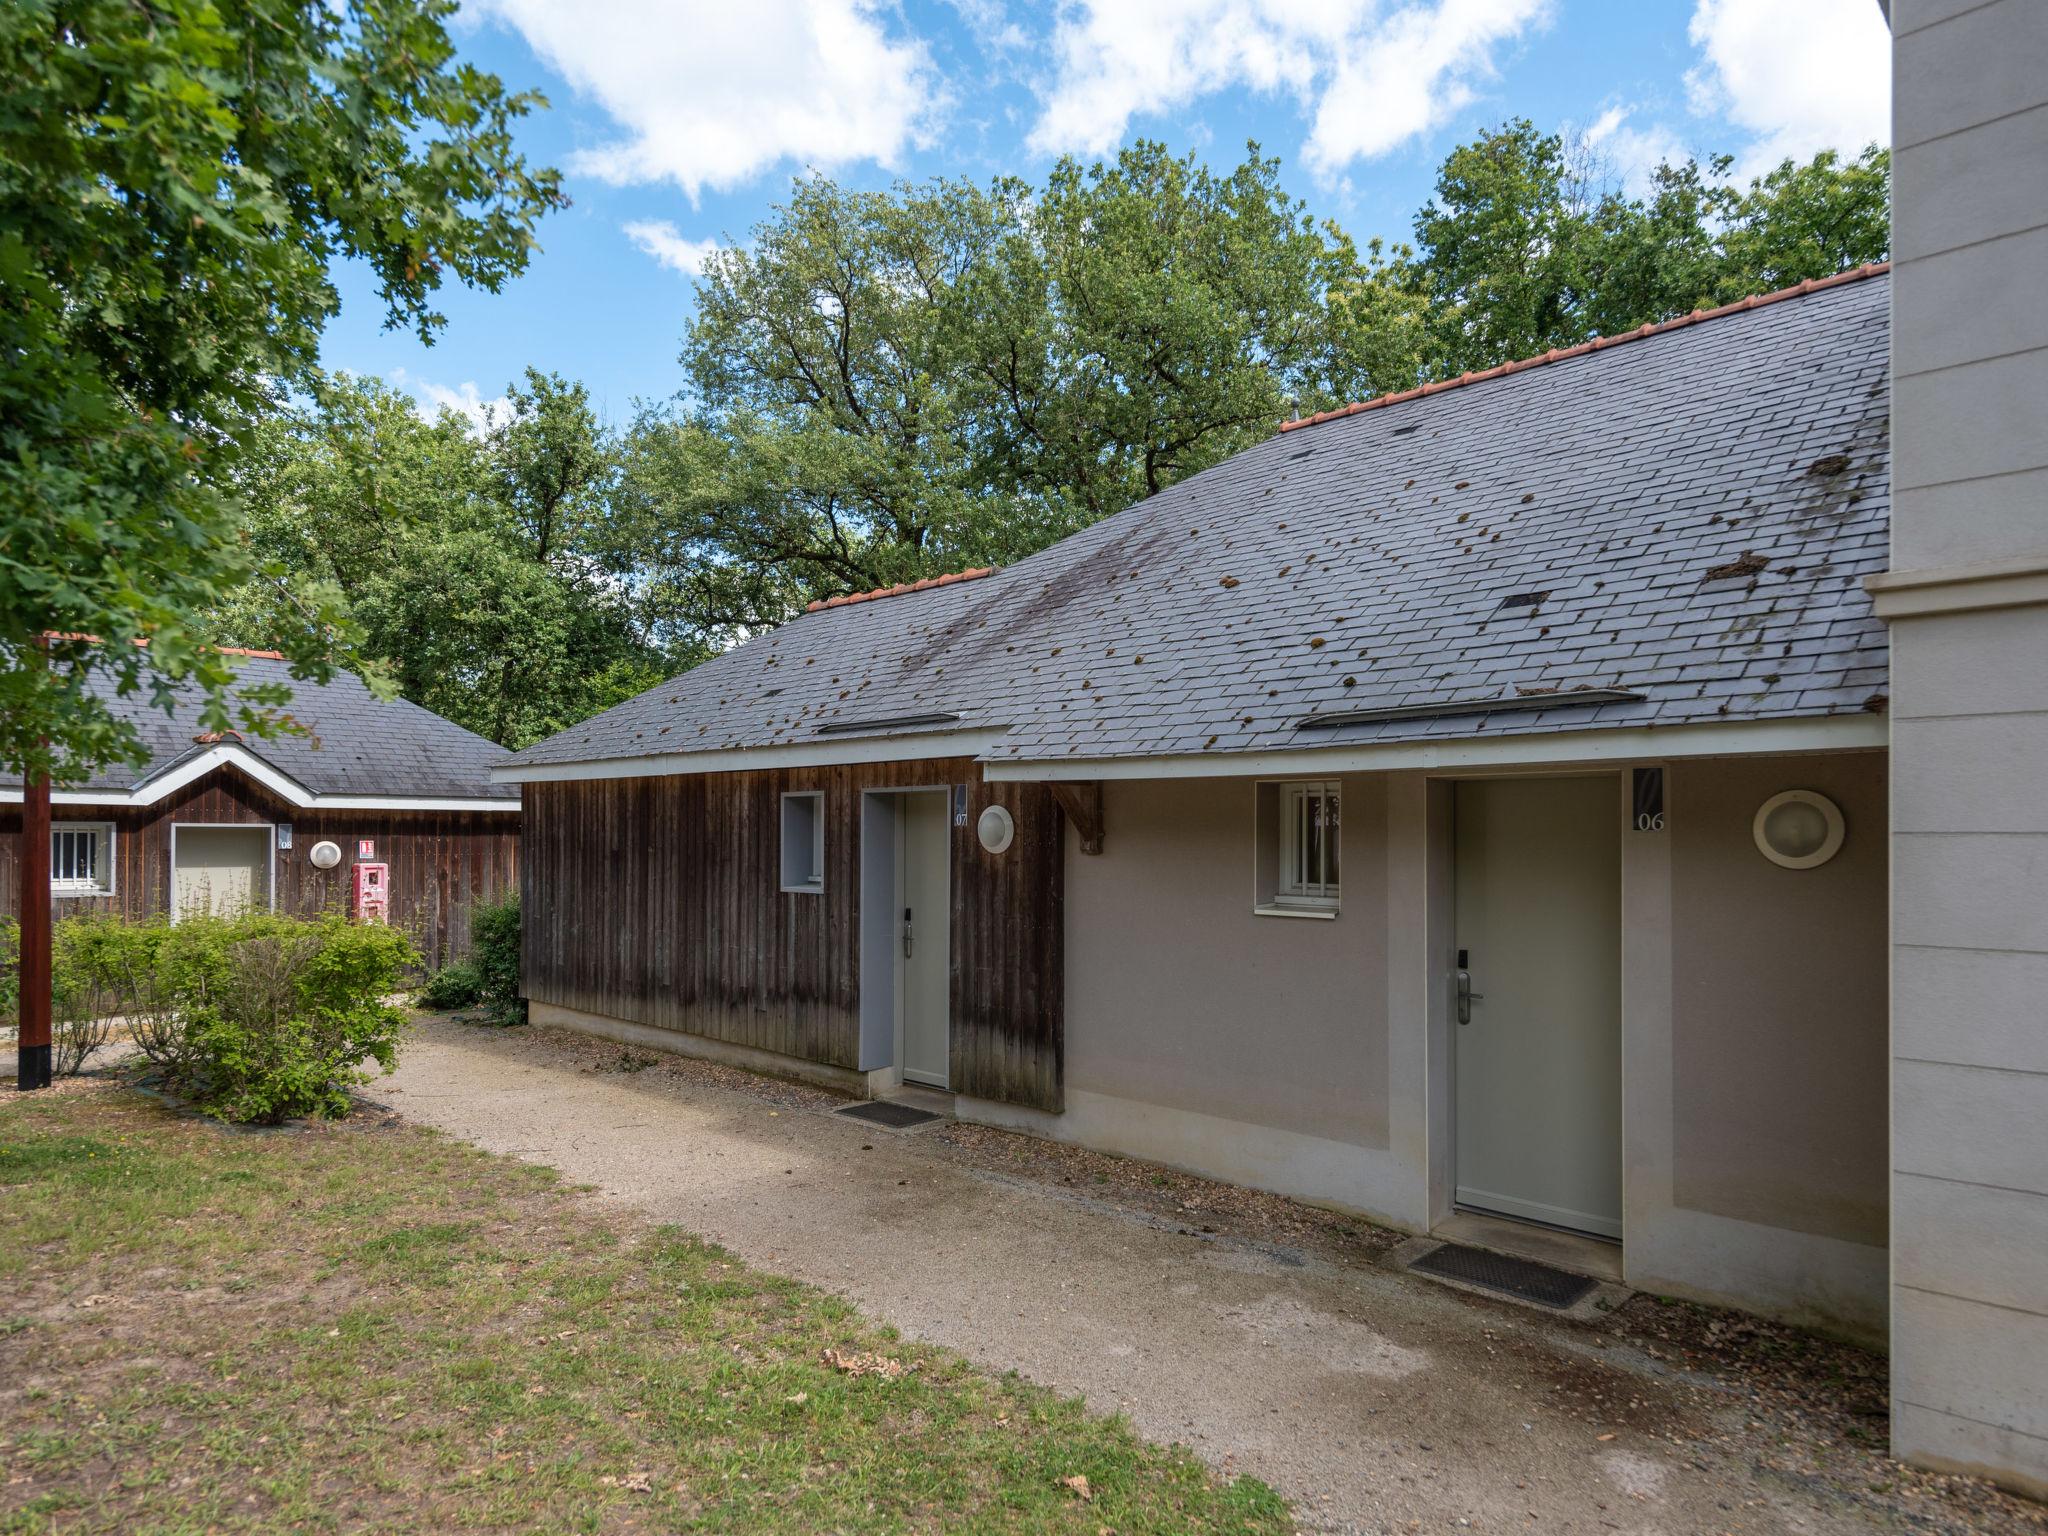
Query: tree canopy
x,y
889,385
484,570
177,178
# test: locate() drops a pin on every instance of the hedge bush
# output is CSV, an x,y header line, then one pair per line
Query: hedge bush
x,y
258,1018
494,951
453,986
10,971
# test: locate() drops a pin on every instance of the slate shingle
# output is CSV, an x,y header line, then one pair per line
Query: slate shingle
x,y
1700,507
359,744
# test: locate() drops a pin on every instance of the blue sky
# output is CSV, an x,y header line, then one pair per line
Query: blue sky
x,y
681,122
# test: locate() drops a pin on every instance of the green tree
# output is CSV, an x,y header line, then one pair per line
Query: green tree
x,y
484,571
1523,248
176,179
888,385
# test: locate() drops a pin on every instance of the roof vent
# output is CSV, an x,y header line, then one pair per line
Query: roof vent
x,y
882,724
1564,698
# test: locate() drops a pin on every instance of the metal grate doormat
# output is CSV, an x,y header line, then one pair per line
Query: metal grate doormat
x,y
898,1117
1521,1278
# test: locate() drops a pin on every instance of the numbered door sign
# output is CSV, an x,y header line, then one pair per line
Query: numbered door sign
x,y
1649,800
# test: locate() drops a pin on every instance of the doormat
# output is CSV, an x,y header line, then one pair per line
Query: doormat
x,y
898,1117
1524,1279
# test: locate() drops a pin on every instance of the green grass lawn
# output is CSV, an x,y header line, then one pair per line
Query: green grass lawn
x,y
371,1327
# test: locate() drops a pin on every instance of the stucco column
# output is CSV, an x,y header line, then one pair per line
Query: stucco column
x,y
1967,597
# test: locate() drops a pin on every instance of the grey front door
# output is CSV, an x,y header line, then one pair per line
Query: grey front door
x,y
1538,1065
925,948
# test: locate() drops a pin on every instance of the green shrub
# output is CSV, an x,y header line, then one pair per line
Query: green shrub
x,y
79,1022
494,951
453,986
81,1006
254,1018
10,971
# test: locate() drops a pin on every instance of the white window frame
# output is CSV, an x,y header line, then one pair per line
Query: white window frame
x,y
1287,889
103,884
793,860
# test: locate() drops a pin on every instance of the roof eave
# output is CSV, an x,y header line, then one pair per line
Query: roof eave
x,y
827,753
1858,732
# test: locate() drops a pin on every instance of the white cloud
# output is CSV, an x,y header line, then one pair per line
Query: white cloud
x,y
1800,78
669,245
1370,75
708,93
465,399
1630,151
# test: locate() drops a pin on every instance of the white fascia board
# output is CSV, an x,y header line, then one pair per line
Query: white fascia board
x,y
1749,738
149,791
286,788
413,803
809,754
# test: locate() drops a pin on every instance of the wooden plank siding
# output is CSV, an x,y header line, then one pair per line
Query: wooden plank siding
x,y
441,861
658,901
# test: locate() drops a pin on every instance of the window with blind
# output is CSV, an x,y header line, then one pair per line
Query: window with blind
x,y
82,858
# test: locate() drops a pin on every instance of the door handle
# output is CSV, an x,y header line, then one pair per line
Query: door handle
x,y
906,933
1466,996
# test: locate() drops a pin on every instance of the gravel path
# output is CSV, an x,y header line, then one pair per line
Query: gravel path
x,y
1275,1342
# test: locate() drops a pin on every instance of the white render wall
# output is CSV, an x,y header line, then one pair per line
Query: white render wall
x,y
1968,599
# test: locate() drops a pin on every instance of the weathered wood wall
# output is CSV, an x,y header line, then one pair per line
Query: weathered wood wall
x,y
441,861
658,900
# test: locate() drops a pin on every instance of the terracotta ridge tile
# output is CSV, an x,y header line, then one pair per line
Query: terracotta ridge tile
x,y
1597,344
218,650
900,588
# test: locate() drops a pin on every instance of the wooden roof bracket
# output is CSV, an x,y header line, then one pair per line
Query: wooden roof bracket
x,y
1081,799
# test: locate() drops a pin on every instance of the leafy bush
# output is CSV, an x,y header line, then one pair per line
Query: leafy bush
x,y
79,1022
81,1006
494,951
10,971
453,986
253,1018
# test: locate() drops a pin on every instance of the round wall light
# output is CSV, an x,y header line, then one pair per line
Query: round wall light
x,y
996,828
325,855
1799,829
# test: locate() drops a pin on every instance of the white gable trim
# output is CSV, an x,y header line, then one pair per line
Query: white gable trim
x,y
1747,738
283,785
828,753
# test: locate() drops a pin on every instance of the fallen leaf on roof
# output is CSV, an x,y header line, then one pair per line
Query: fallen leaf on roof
x,y
1317,644
1228,581
1748,563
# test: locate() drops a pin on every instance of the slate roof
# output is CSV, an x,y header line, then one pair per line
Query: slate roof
x,y
360,745
1687,514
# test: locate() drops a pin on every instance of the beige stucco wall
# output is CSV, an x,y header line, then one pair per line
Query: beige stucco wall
x,y
1312,1056
1968,601
1778,1010
1179,995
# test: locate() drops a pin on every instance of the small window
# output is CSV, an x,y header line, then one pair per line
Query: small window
x,y
803,841
1299,828
82,858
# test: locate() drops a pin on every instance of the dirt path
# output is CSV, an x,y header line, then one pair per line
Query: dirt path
x,y
1377,1401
